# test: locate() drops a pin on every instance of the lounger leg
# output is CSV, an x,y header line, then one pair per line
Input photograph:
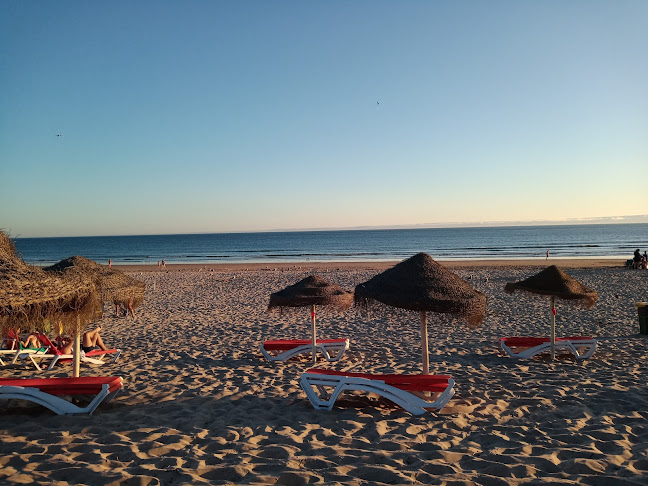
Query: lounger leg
x,y
323,393
337,348
324,400
324,352
53,363
31,358
583,350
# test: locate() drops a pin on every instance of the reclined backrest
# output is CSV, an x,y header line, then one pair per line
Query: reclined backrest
x,y
53,349
11,340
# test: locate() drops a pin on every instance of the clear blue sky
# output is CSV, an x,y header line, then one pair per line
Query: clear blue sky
x,y
215,116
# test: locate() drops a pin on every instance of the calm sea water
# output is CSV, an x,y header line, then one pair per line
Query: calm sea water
x,y
578,241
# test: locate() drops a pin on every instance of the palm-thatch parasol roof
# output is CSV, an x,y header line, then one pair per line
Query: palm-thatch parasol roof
x,y
29,295
312,290
113,285
421,284
555,282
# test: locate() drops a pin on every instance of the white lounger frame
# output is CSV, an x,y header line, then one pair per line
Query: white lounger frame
x,y
331,351
322,399
15,354
574,346
56,404
91,360
36,358
7,353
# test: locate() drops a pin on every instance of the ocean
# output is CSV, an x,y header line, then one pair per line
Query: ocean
x,y
511,242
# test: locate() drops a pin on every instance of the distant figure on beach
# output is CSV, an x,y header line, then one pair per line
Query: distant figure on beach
x,y
547,255
163,264
636,260
158,263
109,263
128,308
90,340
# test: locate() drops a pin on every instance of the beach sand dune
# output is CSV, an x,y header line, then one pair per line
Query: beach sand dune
x,y
202,406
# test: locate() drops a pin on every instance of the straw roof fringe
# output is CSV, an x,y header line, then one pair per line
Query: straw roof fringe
x,y
8,251
312,290
555,282
421,284
28,295
113,285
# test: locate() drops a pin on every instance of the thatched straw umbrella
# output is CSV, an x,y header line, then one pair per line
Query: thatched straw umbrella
x,y
554,282
312,291
113,285
421,284
29,296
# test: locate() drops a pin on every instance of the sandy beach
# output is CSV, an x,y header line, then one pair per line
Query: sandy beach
x,y
201,405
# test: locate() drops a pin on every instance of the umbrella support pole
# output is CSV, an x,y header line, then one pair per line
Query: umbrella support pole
x,y
314,335
76,361
553,327
424,344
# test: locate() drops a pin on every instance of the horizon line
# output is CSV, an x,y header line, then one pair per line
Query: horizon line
x,y
631,219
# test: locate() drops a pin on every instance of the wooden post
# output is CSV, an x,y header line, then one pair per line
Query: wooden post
x,y
314,335
76,361
553,327
424,344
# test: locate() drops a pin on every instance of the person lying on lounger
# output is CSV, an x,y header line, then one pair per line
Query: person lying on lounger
x,y
90,340
31,342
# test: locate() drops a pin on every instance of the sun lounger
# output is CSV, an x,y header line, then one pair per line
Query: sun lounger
x,y
9,346
55,355
13,348
48,392
94,357
583,347
404,390
284,349
24,353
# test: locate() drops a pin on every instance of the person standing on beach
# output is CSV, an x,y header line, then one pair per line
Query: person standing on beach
x,y
163,264
636,260
547,255
128,308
